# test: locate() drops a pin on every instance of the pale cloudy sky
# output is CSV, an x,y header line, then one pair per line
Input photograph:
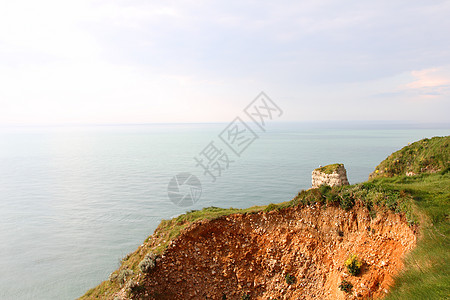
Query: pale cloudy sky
x,y
72,62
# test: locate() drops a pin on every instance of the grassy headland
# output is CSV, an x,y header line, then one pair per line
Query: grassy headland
x,y
424,199
424,156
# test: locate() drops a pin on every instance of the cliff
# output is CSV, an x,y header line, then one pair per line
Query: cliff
x,y
340,242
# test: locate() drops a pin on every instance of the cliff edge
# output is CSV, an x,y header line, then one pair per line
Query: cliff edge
x,y
331,242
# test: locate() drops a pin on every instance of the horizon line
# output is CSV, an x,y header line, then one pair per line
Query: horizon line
x,y
398,122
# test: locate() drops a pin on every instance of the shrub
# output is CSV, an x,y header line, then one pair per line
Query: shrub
x,y
324,189
347,201
125,258
123,275
353,265
271,207
333,196
133,287
245,296
113,276
445,171
148,263
290,279
345,286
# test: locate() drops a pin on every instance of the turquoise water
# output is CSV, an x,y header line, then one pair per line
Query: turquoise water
x,y
74,200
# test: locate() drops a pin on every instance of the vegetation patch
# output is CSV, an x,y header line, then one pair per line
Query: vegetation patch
x,y
148,263
353,265
271,207
424,156
124,275
290,279
370,194
345,286
427,267
329,169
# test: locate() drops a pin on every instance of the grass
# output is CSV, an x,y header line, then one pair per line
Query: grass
x,y
329,169
427,268
424,156
372,196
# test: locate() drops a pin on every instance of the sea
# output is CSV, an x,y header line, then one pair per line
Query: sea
x,y
74,200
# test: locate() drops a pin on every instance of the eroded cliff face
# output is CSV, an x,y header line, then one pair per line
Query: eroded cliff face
x,y
251,254
337,176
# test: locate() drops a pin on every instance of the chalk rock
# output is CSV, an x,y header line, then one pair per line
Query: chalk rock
x,y
332,175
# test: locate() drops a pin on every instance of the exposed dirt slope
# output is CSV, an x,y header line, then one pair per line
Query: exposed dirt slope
x,y
250,254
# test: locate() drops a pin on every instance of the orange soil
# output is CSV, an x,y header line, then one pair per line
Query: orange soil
x,y
251,254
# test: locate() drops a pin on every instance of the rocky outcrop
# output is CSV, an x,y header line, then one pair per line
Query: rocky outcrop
x,y
332,175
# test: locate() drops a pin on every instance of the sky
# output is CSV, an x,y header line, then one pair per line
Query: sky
x,y
109,62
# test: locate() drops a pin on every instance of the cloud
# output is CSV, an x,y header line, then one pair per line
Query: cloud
x,y
430,82
418,85
430,77
145,61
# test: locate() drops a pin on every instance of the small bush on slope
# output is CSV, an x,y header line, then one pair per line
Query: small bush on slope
x,y
353,265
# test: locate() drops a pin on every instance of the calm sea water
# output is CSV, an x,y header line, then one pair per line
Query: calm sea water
x,y
74,200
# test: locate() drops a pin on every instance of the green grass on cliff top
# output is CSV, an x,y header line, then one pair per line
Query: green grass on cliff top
x,y
424,156
329,169
427,268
